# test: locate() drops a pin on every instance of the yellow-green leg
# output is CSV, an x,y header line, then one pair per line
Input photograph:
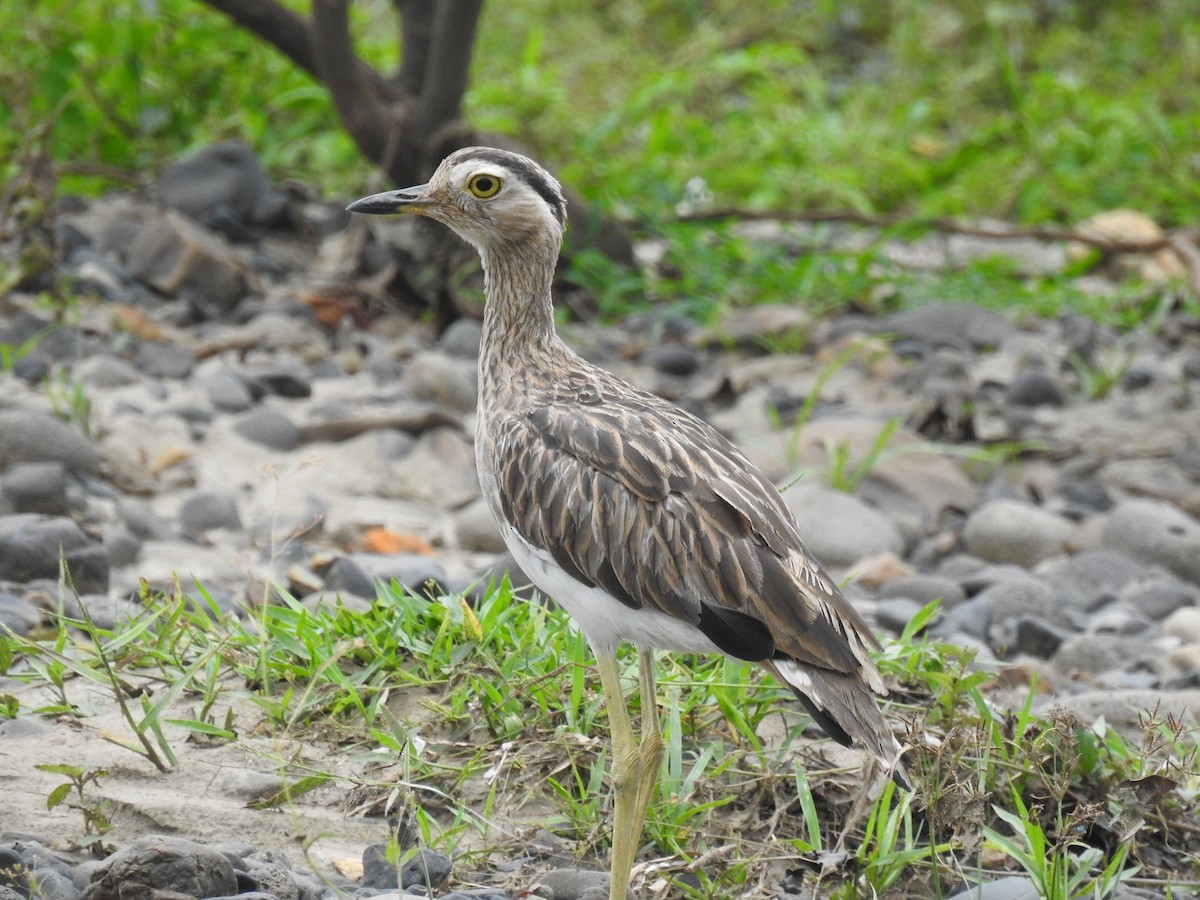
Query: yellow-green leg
x,y
635,765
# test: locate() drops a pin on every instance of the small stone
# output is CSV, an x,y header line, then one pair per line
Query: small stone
x,y
103,371
377,871
951,324
476,528
672,359
1156,532
1035,636
162,360
437,378
1011,888
228,392
209,510
1009,531
425,869
284,381
224,181
36,488
345,576
269,427
1034,387
573,884
895,613
462,339
273,880
31,547
1184,624
924,589
122,547
175,255
416,573
167,863
18,615
840,529
1157,596
28,436
1019,597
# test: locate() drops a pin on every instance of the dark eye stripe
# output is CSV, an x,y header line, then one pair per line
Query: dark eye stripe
x,y
531,175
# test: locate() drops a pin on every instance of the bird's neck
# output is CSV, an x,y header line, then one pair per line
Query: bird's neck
x,y
518,316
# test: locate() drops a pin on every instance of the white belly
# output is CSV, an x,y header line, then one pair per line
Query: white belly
x,y
605,620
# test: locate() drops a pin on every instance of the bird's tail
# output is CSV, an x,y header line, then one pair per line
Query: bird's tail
x,y
846,709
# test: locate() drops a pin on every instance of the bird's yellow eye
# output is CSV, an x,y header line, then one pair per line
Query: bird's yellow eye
x,y
484,186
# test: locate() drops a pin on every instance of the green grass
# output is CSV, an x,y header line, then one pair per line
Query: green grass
x,y
1035,113
511,708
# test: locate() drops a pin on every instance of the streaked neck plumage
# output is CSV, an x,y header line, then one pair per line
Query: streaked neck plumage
x,y
518,316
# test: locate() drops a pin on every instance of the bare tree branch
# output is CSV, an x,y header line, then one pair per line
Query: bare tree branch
x,y
366,117
446,82
416,33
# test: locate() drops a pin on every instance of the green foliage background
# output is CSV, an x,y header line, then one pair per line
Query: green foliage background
x,y
1034,111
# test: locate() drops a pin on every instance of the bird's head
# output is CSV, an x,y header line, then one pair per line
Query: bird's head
x,y
488,197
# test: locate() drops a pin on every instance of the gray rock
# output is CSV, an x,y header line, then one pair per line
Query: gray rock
x,y
425,869
1158,595
269,427
104,371
437,378
462,338
165,863
225,180
953,324
36,488
29,436
1012,888
1156,532
31,547
52,885
162,360
476,529
924,589
1009,531
228,392
175,255
439,470
1096,653
672,358
377,871
973,619
895,613
274,880
1019,597
345,576
284,380
1033,386
572,884
1093,578
1184,624
421,575
121,545
839,529
1035,636
207,510
17,614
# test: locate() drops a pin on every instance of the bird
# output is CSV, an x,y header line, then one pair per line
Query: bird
x,y
644,522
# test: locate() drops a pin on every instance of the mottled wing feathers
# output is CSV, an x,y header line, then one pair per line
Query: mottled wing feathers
x,y
652,505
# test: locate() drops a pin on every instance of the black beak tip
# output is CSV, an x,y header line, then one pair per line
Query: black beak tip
x,y
377,204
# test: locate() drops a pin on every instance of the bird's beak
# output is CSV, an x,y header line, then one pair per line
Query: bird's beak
x,y
406,200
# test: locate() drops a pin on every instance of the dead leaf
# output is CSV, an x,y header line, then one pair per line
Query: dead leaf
x,y
381,540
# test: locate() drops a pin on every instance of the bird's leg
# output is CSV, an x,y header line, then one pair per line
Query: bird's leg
x,y
635,765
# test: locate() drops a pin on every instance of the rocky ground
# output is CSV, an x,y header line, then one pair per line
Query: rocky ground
x,y
230,404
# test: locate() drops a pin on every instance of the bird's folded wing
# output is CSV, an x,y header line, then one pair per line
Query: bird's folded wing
x,y
659,510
